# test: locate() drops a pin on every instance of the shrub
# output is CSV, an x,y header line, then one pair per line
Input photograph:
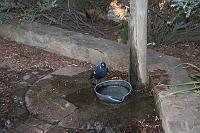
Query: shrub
x,y
5,7
188,7
10,10
184,10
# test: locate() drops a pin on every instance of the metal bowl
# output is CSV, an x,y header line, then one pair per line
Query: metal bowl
x,y
113,91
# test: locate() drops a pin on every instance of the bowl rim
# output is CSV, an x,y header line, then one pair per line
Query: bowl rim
x,y
130,90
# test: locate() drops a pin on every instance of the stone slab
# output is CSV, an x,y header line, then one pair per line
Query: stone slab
x,y
47,108
171,65
69,71
57,130
179,113
33,130
72,121
22,127
68,43
47,101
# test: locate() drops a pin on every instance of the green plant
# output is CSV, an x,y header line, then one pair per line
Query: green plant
x,y
4,17
188,7
123,32
5,7
10,10
194,85
171,17
30,16
184,10
46,4
195,88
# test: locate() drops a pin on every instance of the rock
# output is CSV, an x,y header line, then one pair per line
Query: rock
x,y
69,71
8,123
47,108
68,43
71,121
26,77
47,101
176,111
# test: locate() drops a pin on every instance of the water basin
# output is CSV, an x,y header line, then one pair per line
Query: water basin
x,y
113,91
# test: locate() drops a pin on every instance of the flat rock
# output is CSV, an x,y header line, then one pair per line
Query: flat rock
x,y
69,71
68,43
47,108
179,113
48,101
71,121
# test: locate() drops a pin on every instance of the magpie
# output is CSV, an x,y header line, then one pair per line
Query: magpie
x,y
99,72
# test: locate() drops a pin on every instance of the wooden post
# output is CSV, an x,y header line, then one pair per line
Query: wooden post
x,y
138,42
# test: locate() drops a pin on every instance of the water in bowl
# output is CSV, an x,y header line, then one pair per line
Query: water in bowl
x,y
116,91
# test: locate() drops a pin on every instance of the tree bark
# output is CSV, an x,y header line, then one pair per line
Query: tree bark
x,y
138,42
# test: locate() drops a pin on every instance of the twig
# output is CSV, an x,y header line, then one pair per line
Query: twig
x,y
76,15
73,16
195,67
197,26
54,20
158,14
68,5
50,18
61,17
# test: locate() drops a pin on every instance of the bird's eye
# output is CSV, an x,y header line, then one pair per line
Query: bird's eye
x,y
103,64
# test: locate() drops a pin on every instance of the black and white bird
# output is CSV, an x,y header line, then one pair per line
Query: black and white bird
x,y
99,72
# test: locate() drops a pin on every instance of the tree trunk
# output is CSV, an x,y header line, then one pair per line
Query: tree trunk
x,y
138,42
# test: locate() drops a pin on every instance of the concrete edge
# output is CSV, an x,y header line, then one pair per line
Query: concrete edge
x,y
68,43
177,114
